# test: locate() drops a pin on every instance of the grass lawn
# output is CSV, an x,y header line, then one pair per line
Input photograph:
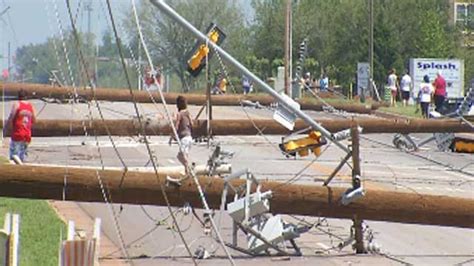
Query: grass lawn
x,y
409,111
3,160
40,229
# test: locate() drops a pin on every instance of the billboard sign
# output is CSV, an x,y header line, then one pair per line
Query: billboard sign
x,y
451,69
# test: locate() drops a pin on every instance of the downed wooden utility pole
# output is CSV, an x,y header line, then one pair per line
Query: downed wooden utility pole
x,y
171,171
109,94
143,188
56,128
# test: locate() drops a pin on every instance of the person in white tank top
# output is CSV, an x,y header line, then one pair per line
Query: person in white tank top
x,y
406,88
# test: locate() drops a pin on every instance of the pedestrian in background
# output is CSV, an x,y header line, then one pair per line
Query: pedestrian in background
x,y
393,85
324,82
22,116
440,91
425,95
246,85
150,77
406,87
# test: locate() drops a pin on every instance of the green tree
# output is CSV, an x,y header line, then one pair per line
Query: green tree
x,y
169,43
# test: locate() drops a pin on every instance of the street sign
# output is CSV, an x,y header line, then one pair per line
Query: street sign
x,y
283,115
363,74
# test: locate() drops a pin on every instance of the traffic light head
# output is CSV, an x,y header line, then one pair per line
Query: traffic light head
x,y
197,56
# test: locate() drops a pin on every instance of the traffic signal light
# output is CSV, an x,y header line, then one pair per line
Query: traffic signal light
x,y
197,56
303,146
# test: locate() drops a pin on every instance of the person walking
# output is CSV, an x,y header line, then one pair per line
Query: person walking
x,y
183,125
425,95
22,117
406,88
440,91
393,85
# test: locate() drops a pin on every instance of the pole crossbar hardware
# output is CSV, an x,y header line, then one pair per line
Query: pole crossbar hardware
x,y
337,169
217,159
251,214
180,20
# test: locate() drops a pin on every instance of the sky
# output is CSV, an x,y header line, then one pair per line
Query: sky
x,y
33,21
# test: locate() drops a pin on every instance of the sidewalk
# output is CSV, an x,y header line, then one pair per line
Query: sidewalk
x,y
68,210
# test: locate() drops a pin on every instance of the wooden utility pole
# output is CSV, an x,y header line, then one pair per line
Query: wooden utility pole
x,y
109,94
371,47
208,99
356,183
311,200
288,48
242,127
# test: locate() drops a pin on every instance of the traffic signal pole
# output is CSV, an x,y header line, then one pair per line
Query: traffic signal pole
x,y
226,56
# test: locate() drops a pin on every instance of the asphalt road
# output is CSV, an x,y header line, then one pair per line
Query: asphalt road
x,y
147,234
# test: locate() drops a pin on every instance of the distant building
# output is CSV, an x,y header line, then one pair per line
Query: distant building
x,y
463,17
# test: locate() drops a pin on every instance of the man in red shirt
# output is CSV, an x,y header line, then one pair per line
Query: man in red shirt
x,y
440,91
22,117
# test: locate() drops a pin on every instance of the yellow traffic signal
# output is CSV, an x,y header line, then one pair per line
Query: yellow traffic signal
x,y
303,146
198,57
200,51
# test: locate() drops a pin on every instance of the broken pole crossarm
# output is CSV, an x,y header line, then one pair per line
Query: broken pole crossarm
x,y
338,167
142,188
180,20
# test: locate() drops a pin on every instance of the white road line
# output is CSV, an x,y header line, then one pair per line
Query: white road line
x,y
323,246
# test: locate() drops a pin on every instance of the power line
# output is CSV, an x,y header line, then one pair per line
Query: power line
x,y
165,196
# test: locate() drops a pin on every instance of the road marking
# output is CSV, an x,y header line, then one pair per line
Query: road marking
x,y
343,175
323,246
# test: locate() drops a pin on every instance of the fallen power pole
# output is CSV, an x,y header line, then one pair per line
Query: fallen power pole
x,y
109,94
143,188
56,128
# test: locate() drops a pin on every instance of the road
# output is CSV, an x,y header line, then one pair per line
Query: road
x,y
147,234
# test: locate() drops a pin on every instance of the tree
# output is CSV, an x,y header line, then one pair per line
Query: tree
x,y
34,62
169,43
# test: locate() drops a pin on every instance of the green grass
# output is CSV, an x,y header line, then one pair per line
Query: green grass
x,y
3,160
409,111
39,230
